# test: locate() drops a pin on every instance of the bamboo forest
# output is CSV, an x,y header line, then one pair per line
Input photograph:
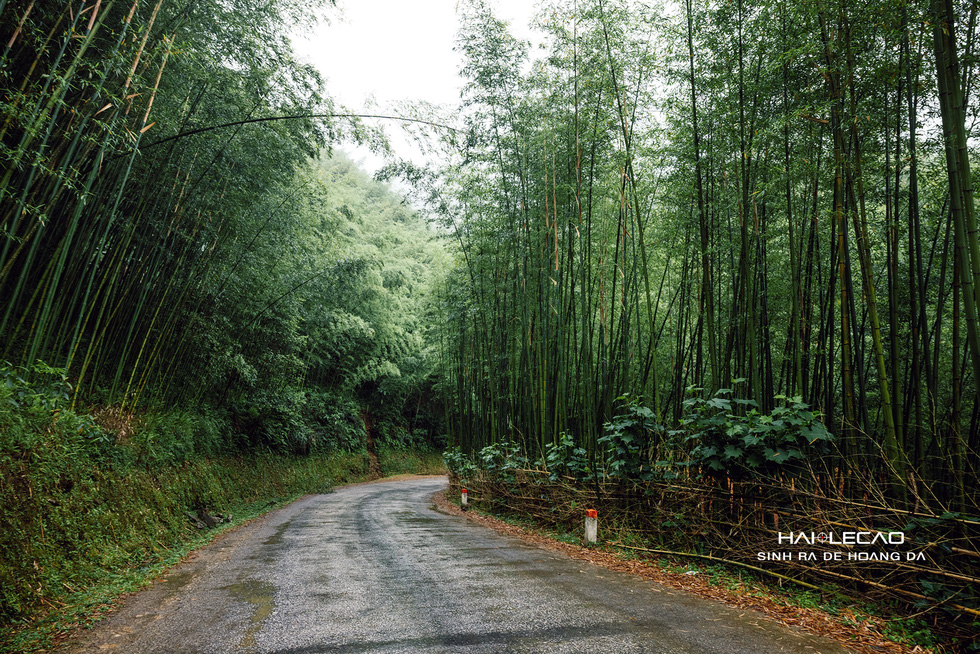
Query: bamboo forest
x,y
709,267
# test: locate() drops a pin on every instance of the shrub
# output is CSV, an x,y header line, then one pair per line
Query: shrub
x,y
732,437
459,464
631,441
564,458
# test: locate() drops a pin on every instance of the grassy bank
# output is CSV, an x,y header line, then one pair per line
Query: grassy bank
x,y
96,502
92,507
417,461
76,535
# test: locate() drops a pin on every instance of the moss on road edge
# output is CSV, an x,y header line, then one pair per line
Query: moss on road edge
x,y
74,545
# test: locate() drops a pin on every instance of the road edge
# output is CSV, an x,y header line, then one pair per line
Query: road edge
x,y
812,621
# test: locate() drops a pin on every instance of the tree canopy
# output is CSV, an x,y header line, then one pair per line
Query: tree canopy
x,y
155,261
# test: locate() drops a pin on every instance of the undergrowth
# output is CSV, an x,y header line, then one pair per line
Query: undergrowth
x,y
94,504
395,460
885,617
74,541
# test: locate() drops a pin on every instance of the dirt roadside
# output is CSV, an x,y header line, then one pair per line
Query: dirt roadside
x,y
864,640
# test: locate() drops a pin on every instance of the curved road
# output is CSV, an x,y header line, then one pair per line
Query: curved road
x,y
375,568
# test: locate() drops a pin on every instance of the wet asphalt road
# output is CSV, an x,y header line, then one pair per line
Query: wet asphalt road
x,y
375,568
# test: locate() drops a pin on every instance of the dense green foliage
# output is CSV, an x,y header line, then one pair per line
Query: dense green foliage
x,y
194,289
723,242
749,442
742,196
668,202
83,512
158,262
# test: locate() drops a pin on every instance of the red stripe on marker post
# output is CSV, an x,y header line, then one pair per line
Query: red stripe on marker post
x,y
463,499
591,526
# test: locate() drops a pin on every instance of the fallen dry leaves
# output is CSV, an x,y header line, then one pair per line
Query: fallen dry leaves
x,y
865,639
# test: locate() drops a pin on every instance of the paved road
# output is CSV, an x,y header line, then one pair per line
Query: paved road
x,y
375,568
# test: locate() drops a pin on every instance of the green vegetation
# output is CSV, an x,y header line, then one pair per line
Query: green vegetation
x,y
84,531
711,267
721,257
89,513
190,318
225,271
400,461
748,442
741,197
727,517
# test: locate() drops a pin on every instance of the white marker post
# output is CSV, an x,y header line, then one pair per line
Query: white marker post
x,y
591,526
463,501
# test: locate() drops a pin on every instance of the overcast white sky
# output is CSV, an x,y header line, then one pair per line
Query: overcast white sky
x,y
395,50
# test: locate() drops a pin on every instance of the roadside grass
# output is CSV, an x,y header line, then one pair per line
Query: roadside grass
x,y
399,461
95,503
882,617
70,555
86,606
